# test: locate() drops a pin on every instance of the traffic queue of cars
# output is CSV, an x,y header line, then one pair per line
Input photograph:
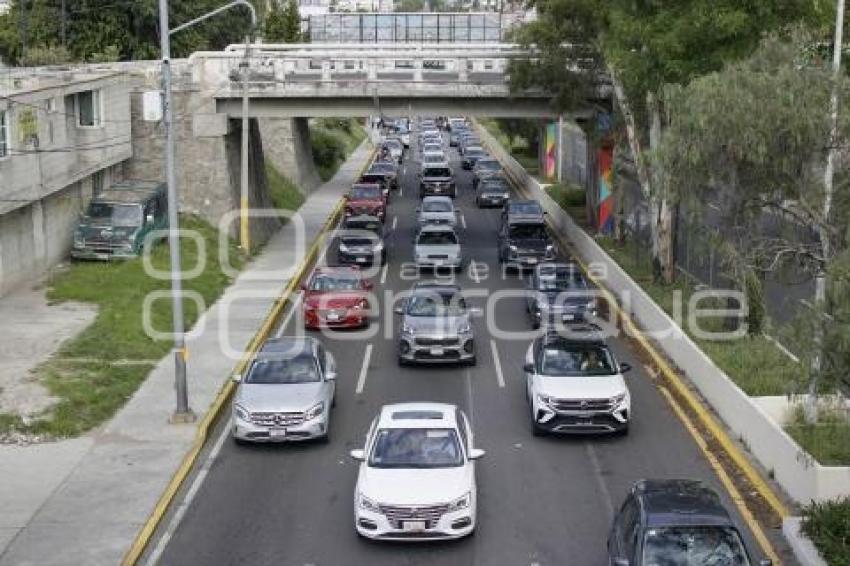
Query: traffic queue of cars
x,y
416,476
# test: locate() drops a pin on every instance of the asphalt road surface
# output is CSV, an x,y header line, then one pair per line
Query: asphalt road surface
x,y
542,501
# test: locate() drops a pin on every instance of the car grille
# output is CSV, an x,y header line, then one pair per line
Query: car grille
x,y
448,341
438,256
277,419
598,405
369,210
429,513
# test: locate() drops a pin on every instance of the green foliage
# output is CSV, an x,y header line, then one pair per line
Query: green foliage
x,y
45,55
94,374
828,440
108,55
828,525
410,6
332,141
282,23
283,192
102,26
567,195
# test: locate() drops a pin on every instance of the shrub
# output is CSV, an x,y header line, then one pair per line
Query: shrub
x,y
328,151
828,525
568,195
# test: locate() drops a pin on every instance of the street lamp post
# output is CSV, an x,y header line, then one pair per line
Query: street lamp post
x,y
182,412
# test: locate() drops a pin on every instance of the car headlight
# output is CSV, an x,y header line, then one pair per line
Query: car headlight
x,y
506,195
379,247
617,399
512,247
362,304
464,328
79,241
314,411
407,329
365,503
461,502
544,399
240,412
343,248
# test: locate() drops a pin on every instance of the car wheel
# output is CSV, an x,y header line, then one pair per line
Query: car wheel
x,y
472,361
325,438
535,324
536,430
402,362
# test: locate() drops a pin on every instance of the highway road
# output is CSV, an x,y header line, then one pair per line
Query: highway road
x,y
542,501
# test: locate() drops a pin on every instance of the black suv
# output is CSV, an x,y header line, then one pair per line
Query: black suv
x,y
437,180
559,293
525,243
675,522
527,210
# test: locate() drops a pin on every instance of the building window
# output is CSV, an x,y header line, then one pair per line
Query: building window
x,y
89,108
4,134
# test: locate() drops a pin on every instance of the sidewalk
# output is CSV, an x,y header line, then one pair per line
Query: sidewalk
x,y
82,501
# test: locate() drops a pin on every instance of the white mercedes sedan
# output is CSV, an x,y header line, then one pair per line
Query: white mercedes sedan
x,y
417,474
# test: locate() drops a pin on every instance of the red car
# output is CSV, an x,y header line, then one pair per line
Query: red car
x,y
368,199
336,297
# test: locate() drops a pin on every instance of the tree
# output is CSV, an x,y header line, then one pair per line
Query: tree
x,y
282,23
751,139
103,26
642,46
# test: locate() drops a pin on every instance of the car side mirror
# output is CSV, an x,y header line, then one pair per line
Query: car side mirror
x,y
237,377
476,453
149,219
398,310
303,286
418,210
528,368
330,376
358,455
624,367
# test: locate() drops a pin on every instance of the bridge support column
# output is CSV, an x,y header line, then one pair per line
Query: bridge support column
x,y
286,147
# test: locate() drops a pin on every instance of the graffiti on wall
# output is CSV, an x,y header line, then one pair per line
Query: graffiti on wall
x,y
605,160
549,164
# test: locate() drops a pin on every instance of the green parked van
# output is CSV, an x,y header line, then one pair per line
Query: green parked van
x,y
117,220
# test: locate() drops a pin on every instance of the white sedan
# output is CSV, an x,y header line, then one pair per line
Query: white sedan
x,y
417,474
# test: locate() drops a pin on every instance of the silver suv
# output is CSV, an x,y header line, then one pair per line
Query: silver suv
x,y
286,394
435,246
436,210
435,326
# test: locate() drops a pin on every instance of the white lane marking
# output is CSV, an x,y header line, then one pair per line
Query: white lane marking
x,y
401,191
361,381
499,376
384,273
395,221
463,221
468,375
177,518
294,306
600,480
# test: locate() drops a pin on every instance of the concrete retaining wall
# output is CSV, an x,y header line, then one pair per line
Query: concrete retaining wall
x,y
801,477
286,145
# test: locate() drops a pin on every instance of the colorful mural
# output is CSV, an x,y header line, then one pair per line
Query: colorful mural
x,y
551,148
605,159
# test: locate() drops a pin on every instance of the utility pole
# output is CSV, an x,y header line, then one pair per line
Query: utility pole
x,y
823,235
182,412
244,200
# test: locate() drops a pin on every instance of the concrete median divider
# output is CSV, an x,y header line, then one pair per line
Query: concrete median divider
x,y
793,469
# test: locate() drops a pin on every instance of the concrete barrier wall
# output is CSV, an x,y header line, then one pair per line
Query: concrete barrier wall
x,y
801,477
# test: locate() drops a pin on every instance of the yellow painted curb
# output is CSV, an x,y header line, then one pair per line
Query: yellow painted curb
x,y
149,528
694,404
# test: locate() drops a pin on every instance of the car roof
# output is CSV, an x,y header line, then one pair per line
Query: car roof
x,y
418,415
671,502
288,346
438,198
130,192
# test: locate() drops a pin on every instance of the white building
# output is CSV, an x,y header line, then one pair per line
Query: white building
x,y
63,138
4,6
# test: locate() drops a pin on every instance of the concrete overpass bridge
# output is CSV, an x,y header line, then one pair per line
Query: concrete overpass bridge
x,y
394,79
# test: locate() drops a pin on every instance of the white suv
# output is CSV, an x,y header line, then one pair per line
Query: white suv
x,y
575,385
417,474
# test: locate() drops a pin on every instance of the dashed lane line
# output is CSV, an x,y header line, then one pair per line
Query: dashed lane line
x,y
498,365
364,369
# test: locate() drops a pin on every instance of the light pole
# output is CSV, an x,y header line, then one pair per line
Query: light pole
x,y
182,412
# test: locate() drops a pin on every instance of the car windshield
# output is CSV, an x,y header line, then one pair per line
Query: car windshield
x,y
437,172
432,147
393,144
437,239
494,186
565,279
488,165
335,282
416,448
528,232
123,215
365,193
359,240
375,227
435,158
576,360
707,546
300,369
437,206
436,304
525,208
373,178
474,152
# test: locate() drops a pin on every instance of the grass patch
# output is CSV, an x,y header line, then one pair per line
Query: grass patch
x,y
828,440
332,141
753,362
518,146
283,192
91,390
828,525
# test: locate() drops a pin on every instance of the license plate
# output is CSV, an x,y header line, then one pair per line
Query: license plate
x,y
438,190
333,317
569,317
413,526
532,260
437,351
360,260
277,433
